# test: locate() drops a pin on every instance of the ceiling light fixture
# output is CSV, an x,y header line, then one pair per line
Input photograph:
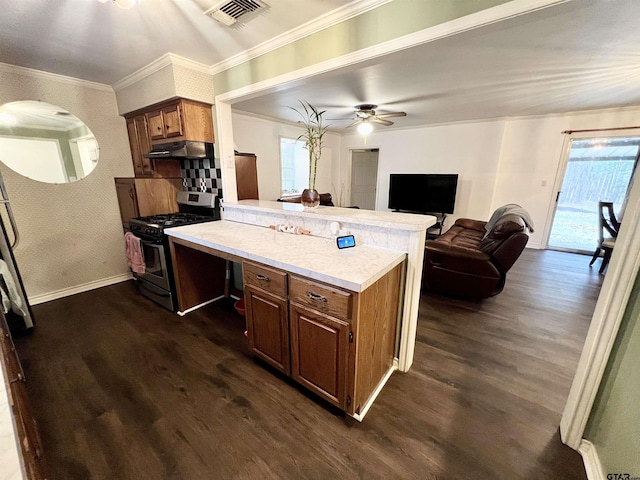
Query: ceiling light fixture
x,y
365,128
7,119
126,4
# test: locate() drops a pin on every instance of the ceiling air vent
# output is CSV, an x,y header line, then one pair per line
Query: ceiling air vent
x,y
229,12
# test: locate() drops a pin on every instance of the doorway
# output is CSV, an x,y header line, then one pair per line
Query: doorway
x,y
364,178
598,169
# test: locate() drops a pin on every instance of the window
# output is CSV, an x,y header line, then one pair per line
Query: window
x,y
294,167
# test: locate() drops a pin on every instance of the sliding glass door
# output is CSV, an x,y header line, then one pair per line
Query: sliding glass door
x,y
599,169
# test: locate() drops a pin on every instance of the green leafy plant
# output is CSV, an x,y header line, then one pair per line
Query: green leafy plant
x,y
313,136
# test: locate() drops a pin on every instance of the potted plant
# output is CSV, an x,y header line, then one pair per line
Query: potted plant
x,y
313,139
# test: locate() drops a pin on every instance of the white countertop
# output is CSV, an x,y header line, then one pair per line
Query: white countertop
x,y
396,220
315,257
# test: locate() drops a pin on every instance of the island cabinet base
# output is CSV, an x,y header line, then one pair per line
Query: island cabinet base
x,y
337,343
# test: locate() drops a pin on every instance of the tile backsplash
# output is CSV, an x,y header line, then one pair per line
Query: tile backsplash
x,y
202,175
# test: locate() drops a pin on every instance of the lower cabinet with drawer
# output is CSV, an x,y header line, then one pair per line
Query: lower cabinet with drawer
x,y
337,343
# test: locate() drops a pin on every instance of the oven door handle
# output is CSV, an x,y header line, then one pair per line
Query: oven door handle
x,y
150,243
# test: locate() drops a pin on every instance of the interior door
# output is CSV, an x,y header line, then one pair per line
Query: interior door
x,y
364,178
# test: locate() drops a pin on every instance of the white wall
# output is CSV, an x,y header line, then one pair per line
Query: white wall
x,y
470,150
532,154
71,234
262,137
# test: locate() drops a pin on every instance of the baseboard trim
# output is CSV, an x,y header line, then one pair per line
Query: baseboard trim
x,y
591,460
196,307
376,392
85,287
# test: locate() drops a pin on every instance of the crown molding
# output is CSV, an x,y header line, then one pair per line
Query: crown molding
x,y
164,61
325,21
30,72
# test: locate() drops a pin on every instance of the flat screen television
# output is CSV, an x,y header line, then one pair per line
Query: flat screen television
x,y
423,193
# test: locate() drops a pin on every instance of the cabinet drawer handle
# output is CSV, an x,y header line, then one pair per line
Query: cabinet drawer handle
x,y
316,297
19,378
263,278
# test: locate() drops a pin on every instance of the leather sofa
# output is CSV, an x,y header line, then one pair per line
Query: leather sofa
x,y
469,261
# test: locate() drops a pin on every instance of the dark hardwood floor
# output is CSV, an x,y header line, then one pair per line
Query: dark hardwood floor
x,y
123,389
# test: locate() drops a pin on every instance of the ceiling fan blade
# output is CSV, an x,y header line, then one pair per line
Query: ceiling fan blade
x,y
354,124
392,114
380,121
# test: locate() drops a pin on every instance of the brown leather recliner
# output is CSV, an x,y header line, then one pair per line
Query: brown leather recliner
x,y
467,263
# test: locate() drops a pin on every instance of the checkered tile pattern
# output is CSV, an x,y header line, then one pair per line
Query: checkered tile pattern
x,y
203,175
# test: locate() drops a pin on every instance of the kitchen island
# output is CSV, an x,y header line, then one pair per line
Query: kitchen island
x,y
334,320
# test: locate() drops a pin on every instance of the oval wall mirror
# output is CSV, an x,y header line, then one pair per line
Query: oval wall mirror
x,y
45,142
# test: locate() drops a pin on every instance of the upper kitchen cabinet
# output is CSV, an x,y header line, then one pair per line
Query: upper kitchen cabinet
x,y
140,144
180,120
170,121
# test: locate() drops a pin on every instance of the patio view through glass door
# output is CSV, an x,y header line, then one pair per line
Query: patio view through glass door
x,y
599,169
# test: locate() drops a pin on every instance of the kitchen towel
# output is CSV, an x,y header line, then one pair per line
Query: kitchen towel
x,y
135,257
10,297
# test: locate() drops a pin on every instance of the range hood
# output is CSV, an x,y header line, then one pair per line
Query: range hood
x,y
184,149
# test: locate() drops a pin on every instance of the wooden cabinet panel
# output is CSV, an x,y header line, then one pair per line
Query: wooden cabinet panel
x,y
126,192
172,121
156,125
140,145
26,427
144,145
197,121
136,156
269,279
140,197
329,300
319,353
247,177
157,195
268,327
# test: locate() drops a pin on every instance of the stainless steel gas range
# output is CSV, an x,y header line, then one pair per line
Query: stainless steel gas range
x,y
157,281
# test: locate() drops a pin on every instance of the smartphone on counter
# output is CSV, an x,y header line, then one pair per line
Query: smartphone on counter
x,y
346,241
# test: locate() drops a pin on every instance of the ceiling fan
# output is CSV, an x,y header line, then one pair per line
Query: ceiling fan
x,y
366,113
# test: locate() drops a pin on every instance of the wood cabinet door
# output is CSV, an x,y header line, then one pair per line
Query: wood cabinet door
x,y
319,353
172,119
136,156
268,327
156,125
246,177
126,192
144,145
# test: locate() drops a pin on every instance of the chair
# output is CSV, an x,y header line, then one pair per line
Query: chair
x,y
606,243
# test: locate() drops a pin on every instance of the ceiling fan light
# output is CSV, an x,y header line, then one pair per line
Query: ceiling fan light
x,y
365,128
7,119
125,4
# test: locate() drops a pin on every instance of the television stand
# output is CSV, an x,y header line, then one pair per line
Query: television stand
x,y
435,230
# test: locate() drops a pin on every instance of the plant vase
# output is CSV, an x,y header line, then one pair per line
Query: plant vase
x,y
310,198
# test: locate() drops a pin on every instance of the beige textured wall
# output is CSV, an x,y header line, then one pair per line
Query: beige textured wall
x,y
70,234
193,84
168,82
155,88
